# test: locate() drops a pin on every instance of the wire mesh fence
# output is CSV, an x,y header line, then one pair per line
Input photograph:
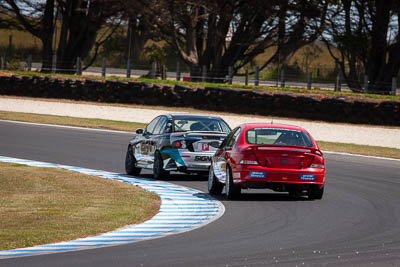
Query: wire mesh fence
x,y
282,78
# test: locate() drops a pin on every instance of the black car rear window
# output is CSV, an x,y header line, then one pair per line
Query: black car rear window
x,y
200,124
270,136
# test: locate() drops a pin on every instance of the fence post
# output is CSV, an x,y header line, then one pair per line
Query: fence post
x,y
29,66
4,62
103,67
204,74
128,62
309,81
338,86
178,71
10,45
163,72
257,77
282,78
230,74
365,83
153,70
78,66
128,68
54,64
246,81
394,85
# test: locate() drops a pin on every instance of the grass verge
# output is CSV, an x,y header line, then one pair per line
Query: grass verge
x,y
72,121
45,205
132,126
377,151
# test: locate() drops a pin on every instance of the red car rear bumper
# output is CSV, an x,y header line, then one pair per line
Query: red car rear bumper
x,y
247,173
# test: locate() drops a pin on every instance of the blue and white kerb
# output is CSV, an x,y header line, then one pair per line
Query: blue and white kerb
x,y
182,209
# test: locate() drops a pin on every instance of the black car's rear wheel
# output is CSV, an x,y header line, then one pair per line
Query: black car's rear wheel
x,y
158,170
214,188
231,190
130,163
315,192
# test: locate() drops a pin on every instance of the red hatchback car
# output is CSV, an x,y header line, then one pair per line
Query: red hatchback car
x,y
280,157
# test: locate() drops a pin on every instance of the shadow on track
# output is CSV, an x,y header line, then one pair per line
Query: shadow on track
x,y
179,177
261,195
267,197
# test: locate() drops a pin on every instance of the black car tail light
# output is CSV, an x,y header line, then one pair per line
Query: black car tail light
x,y
177,144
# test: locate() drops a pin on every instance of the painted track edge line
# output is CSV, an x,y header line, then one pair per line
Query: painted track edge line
x,y
68,127
359,155
130,231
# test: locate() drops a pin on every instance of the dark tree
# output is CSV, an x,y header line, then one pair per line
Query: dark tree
x,y
80,22
37,17
138,32
366,34
218,34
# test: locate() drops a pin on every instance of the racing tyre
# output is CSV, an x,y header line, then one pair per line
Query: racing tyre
x,y
214,188
315,192
231,190
130,163
158,170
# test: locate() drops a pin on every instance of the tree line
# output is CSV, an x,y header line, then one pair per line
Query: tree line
x,y
362,35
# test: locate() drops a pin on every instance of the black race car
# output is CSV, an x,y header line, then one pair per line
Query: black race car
x,y
176,142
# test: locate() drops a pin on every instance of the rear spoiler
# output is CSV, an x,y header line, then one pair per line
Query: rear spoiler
x,y
287,148
196,133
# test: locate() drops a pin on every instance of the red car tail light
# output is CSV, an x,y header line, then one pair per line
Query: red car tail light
x,y
249,159
317,162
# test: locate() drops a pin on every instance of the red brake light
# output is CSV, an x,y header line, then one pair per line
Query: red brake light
x,y
249,159
178,144
317,162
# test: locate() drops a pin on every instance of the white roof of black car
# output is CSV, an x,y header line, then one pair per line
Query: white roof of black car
x,y
188,115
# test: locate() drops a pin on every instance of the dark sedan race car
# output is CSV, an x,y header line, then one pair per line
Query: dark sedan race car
x,y
280,157
176,142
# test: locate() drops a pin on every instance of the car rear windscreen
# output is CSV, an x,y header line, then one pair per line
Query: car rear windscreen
x,y
200,124
272,136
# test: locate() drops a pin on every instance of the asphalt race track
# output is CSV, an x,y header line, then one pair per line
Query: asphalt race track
x,y
356,224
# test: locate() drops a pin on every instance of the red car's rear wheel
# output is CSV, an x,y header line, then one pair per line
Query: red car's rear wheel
x,y
315,192
231,190
214,188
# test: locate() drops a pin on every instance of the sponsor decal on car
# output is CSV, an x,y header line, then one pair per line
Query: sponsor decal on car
x,y
202,158
205,146
255,174
307,177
